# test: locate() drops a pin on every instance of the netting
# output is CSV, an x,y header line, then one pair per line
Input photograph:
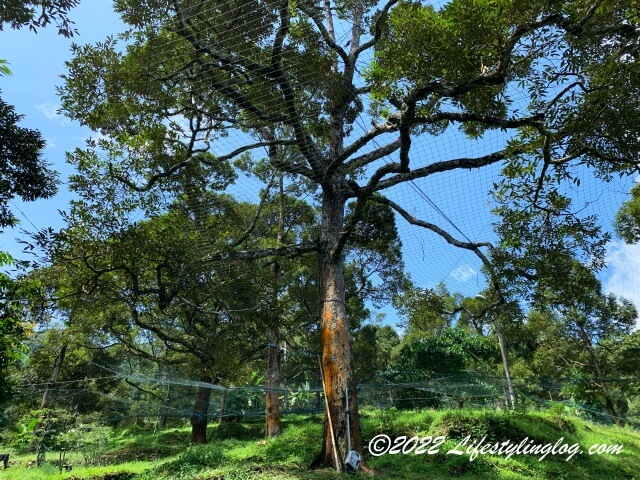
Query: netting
x,y
149,400
204,160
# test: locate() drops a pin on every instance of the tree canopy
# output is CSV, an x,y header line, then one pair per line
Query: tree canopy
x,y
38,13
23,171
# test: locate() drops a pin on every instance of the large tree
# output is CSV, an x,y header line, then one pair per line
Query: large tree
x,y
560,79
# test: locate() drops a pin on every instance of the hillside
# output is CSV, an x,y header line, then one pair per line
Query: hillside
x,y
238,450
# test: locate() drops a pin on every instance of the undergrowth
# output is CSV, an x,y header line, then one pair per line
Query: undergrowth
x,y
238,450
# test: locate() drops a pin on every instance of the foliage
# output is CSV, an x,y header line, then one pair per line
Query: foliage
x,y
84,386
427,310
446,355
449,352
23,172
627,221
14,327
4,69
91,441
373,345
38,13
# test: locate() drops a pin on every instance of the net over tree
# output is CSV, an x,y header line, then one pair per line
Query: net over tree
x,y
344,89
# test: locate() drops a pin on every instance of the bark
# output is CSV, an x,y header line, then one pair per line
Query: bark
x,y
337,366
200,415
162,423
57,366
272,379
505,362
46,397
272,383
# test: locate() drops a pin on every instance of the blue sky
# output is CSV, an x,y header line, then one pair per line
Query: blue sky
x,y
37,61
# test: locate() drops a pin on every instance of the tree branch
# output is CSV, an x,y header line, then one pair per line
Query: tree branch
x,y
534,120
327,34
167,173
304,141
374,155
377,28
285,251
434,228
448,165
378,129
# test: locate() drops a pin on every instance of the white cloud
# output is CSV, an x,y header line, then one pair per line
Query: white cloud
x,y
463,273
51,142
623,264
50,111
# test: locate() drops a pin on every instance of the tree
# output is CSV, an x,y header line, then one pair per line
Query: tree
x,y
13,328
23,172
557,77
137,288
428,311
451,351
38,13
627,221
588,317
372,349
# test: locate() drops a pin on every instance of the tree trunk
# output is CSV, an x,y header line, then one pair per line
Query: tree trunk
x,y
608,401
272,379
272,384
57,366
164,416
337,367
505,362
46,397
199,418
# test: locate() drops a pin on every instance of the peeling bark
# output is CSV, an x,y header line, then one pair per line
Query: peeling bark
x,y
337,364
272,383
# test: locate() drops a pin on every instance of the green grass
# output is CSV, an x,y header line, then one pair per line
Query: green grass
x,y
238,450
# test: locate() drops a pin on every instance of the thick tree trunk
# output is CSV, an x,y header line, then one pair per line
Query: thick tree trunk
x,y
337,367
200,416
272,384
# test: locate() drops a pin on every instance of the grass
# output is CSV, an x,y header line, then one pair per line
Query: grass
x,y
238,451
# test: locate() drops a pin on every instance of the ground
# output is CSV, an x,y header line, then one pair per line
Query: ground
x,y
237,450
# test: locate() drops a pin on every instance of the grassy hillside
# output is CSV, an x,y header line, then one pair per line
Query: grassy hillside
x,y
238,451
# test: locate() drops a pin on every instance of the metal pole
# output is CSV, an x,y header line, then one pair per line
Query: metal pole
x,y
348,421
